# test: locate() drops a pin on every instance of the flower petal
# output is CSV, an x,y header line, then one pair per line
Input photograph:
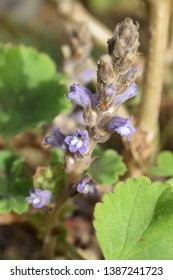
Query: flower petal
x,y
121,126
78,142
39,198
80,95
56,139
129,93
87,186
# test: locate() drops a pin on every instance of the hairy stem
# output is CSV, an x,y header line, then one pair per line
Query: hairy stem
x,y
49,241
74,171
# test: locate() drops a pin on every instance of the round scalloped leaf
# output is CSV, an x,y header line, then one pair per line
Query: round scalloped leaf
x,y
15,182
31,91
136,221
107,168
164,165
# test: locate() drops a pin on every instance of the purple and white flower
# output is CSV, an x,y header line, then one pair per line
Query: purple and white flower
x,y
56,139
87,186
121,126
80,95
129,93
39,198
78,142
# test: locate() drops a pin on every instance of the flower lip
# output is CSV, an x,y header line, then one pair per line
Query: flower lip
x,y
39,198
121,126
78,142
87,186
129,93
56,139
80,95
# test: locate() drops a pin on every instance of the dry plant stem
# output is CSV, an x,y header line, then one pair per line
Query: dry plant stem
x,y
141,151
159,11
169,53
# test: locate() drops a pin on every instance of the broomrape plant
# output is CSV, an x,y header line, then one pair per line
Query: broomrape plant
x,y
135,220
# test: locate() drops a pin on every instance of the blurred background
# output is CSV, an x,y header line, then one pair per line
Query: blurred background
x,y
44,24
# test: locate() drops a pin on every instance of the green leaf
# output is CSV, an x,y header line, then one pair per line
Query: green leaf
x,y
107,168
56,156
136,221
164,165
31,91
15,182
170,181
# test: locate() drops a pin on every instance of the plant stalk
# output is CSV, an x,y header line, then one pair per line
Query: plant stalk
x,y
142,149
49,242
74,172
159,14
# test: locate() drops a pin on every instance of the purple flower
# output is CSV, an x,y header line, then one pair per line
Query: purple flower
x,y
80,95
129,93
110,90
39,198
134,71
56,139
78,142
87,186
121,126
